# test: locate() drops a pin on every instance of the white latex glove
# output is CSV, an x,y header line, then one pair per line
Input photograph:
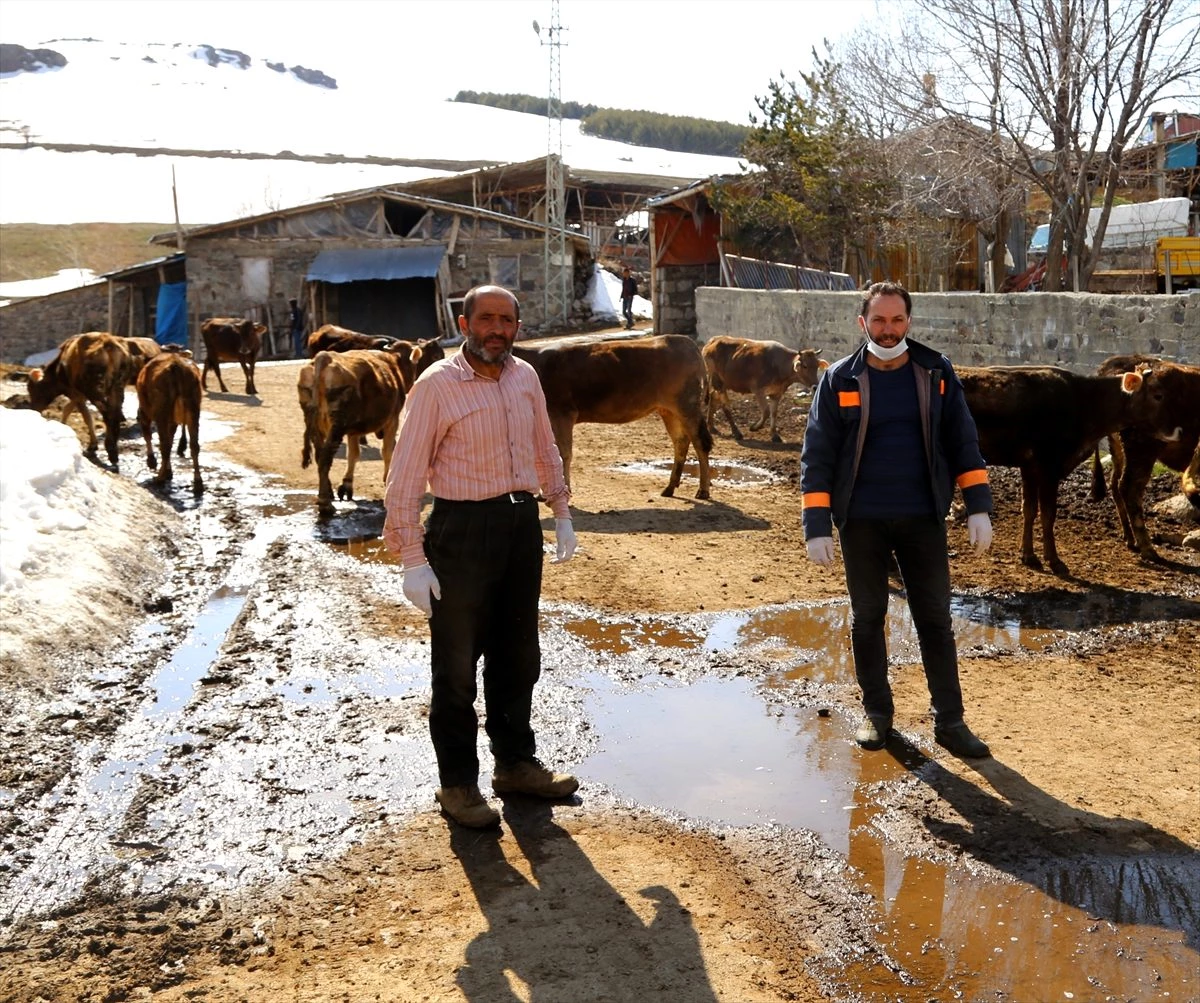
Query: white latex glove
x,y
564,540
820,550
419,584
979,532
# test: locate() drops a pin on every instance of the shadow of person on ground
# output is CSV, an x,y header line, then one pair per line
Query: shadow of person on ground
x,y
566,933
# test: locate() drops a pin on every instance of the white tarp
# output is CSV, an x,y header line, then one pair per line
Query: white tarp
x,y
1130,225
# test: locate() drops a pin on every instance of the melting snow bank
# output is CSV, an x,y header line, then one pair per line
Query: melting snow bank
x,y
79,546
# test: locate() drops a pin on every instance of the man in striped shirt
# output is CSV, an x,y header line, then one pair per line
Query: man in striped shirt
x,y
889,436
476,432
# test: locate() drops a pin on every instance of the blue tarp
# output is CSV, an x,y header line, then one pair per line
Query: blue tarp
x,y
170,319
353,264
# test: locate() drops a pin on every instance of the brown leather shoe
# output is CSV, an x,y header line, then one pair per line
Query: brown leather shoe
x,y
530,777
466,806
873,732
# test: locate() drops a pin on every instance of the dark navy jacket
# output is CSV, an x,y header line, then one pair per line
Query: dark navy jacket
x,y
837,426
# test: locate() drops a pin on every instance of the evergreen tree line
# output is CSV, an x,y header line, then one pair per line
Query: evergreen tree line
x,y
639,128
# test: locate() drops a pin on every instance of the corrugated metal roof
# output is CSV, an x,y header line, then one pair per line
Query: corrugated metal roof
x,y
751,273
355,264
144,266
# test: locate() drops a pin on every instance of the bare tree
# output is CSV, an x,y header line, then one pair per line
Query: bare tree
x,y
1058,90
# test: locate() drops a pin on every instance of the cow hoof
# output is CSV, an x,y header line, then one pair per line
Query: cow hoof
x,y
738,436
777,438
151,462
197,487
345,492
1032,561
668,492
325,507
702,495
1060,569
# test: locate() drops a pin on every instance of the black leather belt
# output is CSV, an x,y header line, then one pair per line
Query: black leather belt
x,y
508,498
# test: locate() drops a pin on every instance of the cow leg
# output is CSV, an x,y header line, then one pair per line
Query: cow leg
x,y
1029,511
215,366
720,399
681,439
1128,489
183,440
389,443
1048,498
325,455
762,411
166,439
773,406
80,405
147,432
193,426
112,431
346,488
248,372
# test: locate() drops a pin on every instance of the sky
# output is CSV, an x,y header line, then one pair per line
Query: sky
x,y
616,53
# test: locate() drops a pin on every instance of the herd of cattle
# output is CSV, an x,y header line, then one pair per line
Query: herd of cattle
x,y
1044,420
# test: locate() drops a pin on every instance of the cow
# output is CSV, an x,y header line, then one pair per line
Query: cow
x,y
169,391
1046,420
355,393
763,368
93,367
613,382
331,338
1136,450
231,339
430,352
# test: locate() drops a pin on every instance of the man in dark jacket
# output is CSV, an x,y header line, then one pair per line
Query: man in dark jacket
x,y
628,292
889,436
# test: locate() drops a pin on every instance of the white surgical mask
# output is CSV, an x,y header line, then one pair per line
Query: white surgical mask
x,y
887,354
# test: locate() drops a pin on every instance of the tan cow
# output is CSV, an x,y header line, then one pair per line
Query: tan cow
x,y
89,367
763,368
356,393
613,382
169,392
231,339
331,338
1136,450
430,352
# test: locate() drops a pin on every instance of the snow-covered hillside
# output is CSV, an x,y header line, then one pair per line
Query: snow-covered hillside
x,y
201,97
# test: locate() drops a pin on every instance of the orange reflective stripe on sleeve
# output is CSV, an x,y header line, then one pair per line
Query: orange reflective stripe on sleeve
x,y
972,478
849,398
942,387
815,499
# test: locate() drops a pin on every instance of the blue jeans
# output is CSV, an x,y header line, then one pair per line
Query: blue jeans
x,y
627,310
919,546
487,556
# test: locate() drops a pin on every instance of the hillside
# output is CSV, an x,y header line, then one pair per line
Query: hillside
x,y
31,250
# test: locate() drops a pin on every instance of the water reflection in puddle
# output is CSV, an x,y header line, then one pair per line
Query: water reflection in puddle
x,y
735,475
174,683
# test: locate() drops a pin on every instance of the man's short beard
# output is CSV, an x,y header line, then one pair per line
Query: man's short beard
x,y
474,346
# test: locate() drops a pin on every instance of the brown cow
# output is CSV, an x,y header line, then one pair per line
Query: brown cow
x,y
1046,420
331,338
356,393
169,392
231,339
1136,450
430,352
613,382
89,367
763,368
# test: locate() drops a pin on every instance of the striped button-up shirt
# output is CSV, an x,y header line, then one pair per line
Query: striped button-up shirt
x,y
468,437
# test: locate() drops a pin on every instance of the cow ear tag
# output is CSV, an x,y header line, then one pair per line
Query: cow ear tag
x,y
1131,383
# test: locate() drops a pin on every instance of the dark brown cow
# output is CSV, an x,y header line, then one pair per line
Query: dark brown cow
x,y
169,393
331,338
1046,420
89,367
356,393
763,368
430,352
613,382
231,339
1136,450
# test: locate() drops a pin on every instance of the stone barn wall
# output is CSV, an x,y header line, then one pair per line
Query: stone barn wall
x,y
43,322
675,288
1075,330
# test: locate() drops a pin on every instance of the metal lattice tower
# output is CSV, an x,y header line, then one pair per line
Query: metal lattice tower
x,y
559,279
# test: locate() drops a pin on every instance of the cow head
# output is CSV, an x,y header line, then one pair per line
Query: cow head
x,y
43,388
1152,411
807,366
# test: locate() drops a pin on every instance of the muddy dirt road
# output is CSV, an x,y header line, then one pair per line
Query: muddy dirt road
x,y
226,793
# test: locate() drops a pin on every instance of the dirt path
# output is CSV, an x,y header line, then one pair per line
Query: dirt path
x,y
347,885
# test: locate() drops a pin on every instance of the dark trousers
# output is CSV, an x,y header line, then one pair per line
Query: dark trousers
x,y
488,560
627,310
919,546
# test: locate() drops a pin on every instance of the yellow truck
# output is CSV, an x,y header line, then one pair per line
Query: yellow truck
x,y
1177,263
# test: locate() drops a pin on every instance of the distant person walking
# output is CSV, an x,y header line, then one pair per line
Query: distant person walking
x,y
296,321
889,436
475,431
629,290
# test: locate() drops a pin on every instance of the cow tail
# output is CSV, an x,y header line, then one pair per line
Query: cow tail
x,y
1098,486
706,439
320,362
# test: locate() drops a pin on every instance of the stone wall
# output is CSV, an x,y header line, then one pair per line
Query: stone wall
x,y
40,324
1075,330
675,289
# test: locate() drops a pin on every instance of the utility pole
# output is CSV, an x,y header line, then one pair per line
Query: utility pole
x,y
559,283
